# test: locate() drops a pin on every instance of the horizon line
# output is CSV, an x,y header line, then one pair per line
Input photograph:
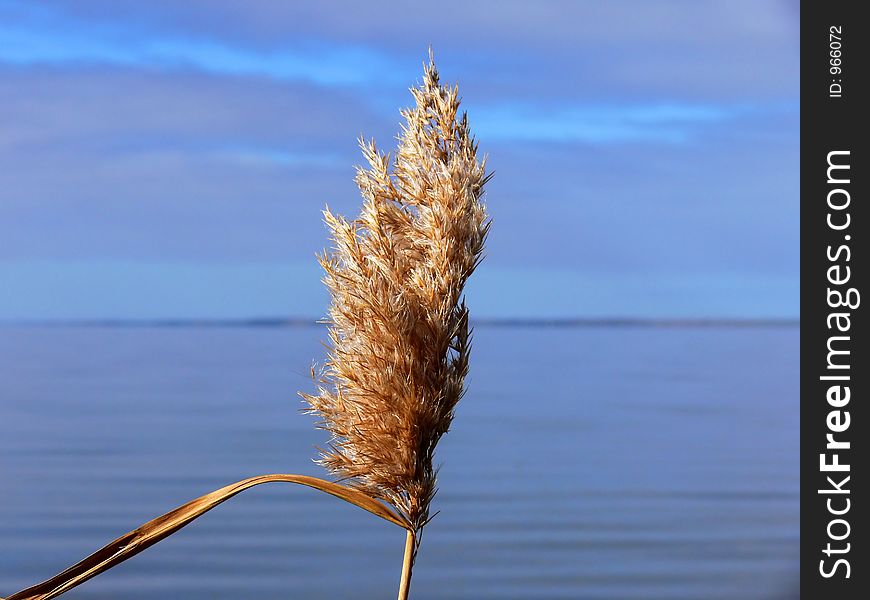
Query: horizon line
x,y
286,322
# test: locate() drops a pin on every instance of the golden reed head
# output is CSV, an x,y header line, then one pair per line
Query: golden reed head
x,y
398,325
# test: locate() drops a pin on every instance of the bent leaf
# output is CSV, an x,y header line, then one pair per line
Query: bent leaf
x,y
134,542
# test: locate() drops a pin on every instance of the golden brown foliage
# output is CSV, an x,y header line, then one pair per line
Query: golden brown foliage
x,y
398,324
399,337
132,543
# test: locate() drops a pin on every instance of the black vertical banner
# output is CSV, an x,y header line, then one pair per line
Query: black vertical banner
x,y
835,223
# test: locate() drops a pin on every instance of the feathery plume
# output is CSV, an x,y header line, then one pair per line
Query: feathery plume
x,y
398,325
398,333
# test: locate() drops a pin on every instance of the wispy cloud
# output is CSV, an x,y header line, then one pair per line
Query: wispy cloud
x,y
651,162
668,123
40,37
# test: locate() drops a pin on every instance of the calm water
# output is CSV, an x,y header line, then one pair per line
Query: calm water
x,y
588,462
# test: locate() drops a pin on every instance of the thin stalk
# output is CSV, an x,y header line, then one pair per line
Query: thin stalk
x,y
407,564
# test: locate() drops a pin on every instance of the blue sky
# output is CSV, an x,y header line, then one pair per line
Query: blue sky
x,y
171,159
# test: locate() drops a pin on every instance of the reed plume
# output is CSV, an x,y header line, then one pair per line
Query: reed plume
x,y
398,332
399,338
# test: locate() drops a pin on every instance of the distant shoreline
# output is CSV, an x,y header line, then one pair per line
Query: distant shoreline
x,y
287,322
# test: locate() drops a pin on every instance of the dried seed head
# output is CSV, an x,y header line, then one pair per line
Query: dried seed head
x,y
398,325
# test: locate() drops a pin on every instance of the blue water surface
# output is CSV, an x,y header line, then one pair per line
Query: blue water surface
x,y
585,462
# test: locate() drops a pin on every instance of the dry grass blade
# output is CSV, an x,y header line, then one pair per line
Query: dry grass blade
x,y
134,542
398,327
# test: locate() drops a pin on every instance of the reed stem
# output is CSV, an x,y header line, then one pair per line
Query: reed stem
x,y
405,582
